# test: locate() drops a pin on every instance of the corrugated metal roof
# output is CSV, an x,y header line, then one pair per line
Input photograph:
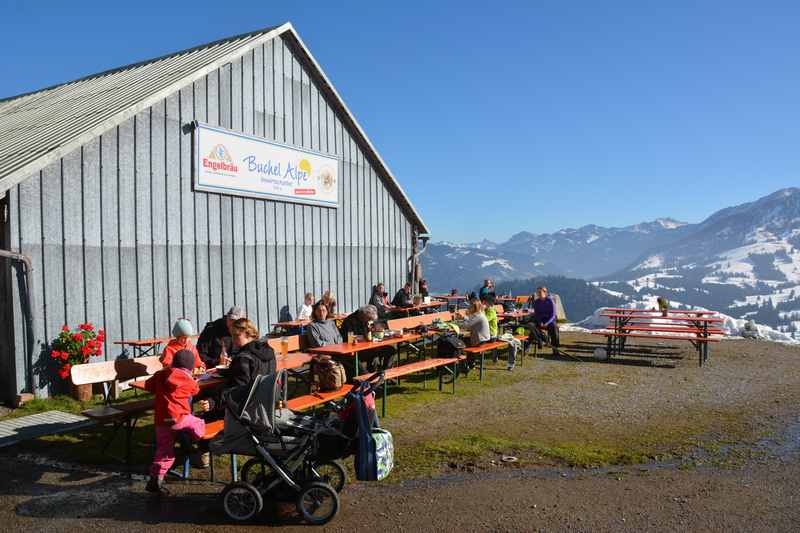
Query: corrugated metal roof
x,y
39,127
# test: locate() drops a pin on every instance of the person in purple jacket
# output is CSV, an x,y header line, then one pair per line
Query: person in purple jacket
x,y
544,315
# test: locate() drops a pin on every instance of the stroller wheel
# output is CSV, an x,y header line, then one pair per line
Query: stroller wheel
x,y
241,501
318,503
330,472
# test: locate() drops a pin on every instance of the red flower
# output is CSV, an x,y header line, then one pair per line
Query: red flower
x,y
65,328
101,335
64,356
86,327
64,372
55,354
77,337
86,350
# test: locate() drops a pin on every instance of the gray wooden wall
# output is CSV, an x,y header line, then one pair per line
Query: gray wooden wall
x,y
119,238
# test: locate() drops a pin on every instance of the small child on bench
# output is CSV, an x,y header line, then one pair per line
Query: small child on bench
x,y
173,387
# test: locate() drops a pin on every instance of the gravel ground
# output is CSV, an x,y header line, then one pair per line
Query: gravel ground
x,y
658,399
658,395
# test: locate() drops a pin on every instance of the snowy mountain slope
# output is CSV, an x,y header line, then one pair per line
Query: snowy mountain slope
x,y
743,260
584,252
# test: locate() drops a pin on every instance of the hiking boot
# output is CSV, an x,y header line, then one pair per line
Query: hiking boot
x,y
200,459
156,486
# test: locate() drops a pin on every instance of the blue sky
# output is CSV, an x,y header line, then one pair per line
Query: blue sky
x,y
502,117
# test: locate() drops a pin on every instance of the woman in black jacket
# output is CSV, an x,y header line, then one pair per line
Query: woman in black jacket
x,y
249,358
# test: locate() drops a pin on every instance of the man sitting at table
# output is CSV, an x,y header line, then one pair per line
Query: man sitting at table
x,y
403,297
544,315
215,341
379,301
321,331
358,323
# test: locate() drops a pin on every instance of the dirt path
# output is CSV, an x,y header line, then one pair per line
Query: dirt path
x,y
549,413
760,497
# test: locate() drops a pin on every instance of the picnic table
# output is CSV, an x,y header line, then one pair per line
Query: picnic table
x,y
212,379
345,349
626,310
697,327
297,324
514,315
450,297
419,307
144,347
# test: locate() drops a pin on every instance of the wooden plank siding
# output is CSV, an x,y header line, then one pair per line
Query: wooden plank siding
x,y
119,238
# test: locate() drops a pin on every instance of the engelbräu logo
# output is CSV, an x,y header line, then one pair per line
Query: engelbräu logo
x,y
219,158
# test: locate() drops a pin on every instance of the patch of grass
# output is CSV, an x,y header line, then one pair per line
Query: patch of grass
x,y
68,404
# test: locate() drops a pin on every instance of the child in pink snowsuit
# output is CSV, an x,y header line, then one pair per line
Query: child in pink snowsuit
x,y
173,387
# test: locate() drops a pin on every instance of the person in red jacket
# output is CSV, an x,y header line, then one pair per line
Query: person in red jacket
x,y
173,387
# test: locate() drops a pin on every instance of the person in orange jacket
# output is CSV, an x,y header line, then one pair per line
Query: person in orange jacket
x,y
182,330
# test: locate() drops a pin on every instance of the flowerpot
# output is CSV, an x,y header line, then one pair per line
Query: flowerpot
x,y
82,393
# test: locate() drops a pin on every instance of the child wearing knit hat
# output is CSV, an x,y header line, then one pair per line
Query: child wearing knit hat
x,y
181,332
173,388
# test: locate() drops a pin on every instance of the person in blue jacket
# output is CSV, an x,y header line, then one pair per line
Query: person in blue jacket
x,y
544,315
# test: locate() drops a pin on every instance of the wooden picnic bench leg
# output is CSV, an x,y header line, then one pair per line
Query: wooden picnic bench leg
x,y
383,399
455,375
211,466
439,375
131,424
480,375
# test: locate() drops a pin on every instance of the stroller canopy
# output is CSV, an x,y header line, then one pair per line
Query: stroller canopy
x,y
250,410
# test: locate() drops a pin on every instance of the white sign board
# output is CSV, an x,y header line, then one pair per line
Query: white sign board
x,y
229,162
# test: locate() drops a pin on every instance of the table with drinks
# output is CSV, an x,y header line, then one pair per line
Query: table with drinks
x,y
301,323
357,343
210,378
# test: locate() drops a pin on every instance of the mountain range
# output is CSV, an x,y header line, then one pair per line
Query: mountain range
x,y
742,260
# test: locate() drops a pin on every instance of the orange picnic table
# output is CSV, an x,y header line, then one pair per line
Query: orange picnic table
x,y
143,347
352,350
697,327
296,324
418,307
292,360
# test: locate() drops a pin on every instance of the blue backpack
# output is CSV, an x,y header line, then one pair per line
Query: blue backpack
x,y
375,456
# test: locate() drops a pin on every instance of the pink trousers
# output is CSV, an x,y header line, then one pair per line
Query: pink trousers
x,y
164,457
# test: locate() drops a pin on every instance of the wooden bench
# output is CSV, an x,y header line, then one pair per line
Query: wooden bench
x,y
110,373
397,372
416,321
296,343
301,403
482,349
700,343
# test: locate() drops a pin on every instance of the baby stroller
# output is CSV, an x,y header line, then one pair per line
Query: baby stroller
x,y
295,457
